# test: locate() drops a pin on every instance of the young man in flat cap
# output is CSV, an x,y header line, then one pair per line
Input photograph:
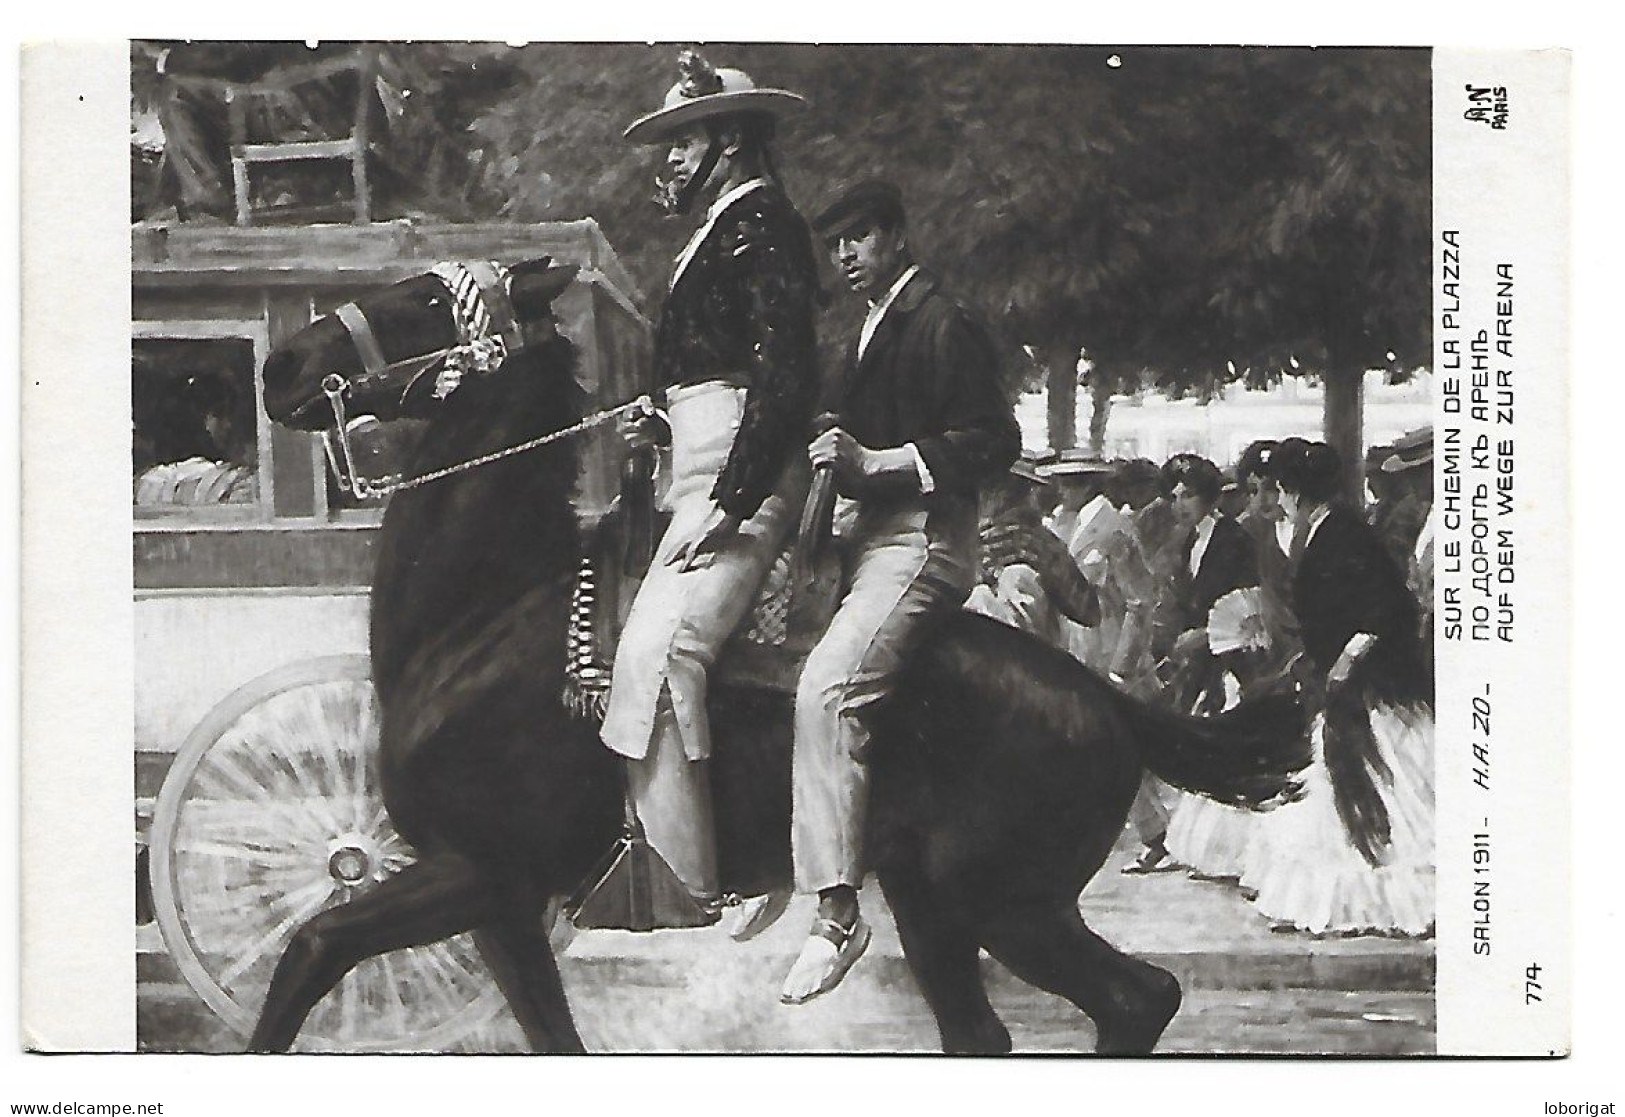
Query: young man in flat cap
x,y
735,365
922,421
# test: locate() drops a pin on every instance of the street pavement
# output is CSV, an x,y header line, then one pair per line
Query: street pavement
x,y
1248,989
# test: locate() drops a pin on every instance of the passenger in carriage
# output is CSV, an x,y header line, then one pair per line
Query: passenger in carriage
x,y
923,423
735,363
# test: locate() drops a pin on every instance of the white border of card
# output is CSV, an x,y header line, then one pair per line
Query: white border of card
x,y
1501,226
1501,197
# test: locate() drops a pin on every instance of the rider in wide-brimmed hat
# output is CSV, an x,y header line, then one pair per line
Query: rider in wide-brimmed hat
x,y
709,110
735,368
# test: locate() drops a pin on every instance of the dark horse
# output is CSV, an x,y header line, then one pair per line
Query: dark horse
x,y
1002,770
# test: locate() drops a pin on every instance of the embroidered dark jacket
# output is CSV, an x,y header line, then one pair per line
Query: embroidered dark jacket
x,y
743,312
930,376
1345,583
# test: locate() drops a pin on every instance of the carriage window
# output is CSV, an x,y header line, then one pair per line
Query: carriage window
x,y
195,434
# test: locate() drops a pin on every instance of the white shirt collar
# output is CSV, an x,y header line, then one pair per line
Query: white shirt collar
x,y
728,198
1204,536
1316,518
1283,535
877,310
1424,538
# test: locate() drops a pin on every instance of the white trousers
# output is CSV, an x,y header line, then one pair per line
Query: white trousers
x,y
678,622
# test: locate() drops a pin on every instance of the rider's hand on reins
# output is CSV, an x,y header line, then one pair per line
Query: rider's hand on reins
x,y
639,424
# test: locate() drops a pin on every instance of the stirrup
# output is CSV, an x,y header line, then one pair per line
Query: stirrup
x,y
633,889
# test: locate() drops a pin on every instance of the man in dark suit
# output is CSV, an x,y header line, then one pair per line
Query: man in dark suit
x,y
735,365
922,422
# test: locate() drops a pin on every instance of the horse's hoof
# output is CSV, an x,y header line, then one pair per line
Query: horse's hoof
x,y
988,1038
1137,1031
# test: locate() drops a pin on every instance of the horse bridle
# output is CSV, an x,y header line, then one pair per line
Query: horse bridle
x,y
503,325
501,322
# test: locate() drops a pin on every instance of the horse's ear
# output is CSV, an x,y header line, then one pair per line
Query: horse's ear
x,y
556,279
536,283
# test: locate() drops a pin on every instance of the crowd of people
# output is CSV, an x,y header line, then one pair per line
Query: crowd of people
x,y
1209,587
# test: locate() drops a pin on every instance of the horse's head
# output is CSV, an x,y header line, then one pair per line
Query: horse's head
x,y
382,352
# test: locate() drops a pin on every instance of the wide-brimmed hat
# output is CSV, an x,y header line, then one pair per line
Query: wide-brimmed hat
x,y
1410,450
1076,463
1030,467
705,91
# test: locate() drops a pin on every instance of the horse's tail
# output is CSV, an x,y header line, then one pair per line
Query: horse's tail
x,y
1246,756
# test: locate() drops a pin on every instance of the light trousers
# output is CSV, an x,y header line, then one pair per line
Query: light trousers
x,y
900,566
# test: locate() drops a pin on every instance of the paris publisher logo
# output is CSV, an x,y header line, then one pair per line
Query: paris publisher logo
x,y
1487,104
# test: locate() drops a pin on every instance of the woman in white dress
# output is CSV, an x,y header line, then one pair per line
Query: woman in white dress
x,y
1355,854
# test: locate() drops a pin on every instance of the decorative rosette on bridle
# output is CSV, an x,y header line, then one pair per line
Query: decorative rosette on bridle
x,y
481,344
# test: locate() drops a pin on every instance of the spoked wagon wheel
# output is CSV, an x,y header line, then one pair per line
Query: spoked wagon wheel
x,y
272,813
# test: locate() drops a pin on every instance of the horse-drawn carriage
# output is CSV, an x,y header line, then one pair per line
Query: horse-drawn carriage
x,y
256,724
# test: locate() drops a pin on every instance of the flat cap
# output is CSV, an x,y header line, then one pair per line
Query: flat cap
x,y
873,199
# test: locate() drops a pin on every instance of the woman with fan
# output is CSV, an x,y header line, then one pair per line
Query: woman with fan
x,y
1355,854
1217,580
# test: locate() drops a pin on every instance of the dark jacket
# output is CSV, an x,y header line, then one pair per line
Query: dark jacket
x,y
743,312
930,376
1229,563
1346,583
1274,585
1398,521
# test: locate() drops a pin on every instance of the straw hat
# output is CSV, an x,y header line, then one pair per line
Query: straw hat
x,y
1076,463
1030,467
1410,450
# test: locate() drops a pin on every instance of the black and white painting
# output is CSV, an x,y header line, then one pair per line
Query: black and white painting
x,y
762,547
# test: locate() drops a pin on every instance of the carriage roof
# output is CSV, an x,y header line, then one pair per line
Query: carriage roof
x,y
185,256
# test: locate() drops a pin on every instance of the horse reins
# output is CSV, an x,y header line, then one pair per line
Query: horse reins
x,y
336,385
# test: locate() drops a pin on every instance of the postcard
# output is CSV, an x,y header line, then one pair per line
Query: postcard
x,y
774,548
